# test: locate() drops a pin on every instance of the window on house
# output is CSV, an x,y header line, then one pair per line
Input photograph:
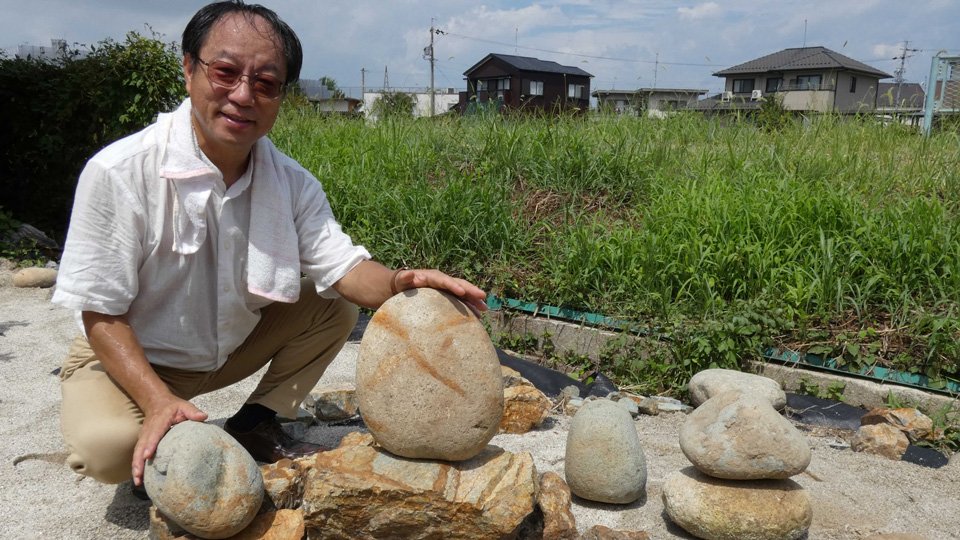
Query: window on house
x,y
503,84
536,88
481,86
853,84
774,84
808,82
575,91
742,86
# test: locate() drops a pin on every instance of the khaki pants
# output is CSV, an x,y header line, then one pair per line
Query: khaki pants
x,y
101,423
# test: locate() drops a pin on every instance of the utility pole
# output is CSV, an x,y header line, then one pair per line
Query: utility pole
x,y
363,82
428,54
898,74
656,69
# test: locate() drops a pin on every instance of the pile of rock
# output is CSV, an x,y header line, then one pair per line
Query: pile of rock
x,y
744,453
432,393
888,432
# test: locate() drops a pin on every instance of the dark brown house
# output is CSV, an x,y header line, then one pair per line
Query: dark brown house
x,y
503,81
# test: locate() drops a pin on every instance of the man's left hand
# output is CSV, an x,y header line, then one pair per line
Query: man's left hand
x,y
468,293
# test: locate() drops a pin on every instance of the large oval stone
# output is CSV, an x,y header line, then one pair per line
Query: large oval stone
x,y
203,480
428,379
741,437
604,460
736,510
40,278
712,382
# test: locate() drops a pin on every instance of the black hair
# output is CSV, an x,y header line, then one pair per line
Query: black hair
x,y
195,34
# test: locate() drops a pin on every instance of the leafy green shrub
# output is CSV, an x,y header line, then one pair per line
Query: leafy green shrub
x,y
57,113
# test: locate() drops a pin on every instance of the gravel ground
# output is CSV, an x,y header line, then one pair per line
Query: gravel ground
x,y
854,495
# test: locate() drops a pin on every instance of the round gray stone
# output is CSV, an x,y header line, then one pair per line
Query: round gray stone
x,y
604,460
428,380
739,436
711,382
203,480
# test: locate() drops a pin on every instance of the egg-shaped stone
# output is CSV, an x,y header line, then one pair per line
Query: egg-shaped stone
x,y
203,480
428,379
604,460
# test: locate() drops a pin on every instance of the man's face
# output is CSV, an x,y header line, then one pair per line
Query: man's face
x,y
229,121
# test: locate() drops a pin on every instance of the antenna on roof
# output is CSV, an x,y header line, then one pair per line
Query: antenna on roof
x,y
804,32
516,33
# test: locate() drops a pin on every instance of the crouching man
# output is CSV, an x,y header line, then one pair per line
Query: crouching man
x,y
184,257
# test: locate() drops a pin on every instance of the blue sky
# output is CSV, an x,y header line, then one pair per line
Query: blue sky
x,y
624,44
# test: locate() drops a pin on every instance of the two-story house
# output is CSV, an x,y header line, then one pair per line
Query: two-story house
x,y
806,79
525,83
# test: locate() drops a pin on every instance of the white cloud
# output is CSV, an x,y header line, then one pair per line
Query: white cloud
x,y
702,11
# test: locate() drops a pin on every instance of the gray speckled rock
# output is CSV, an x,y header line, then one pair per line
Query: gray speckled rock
x,y
204,481
429,383
729,510
604,460
741,437
713,382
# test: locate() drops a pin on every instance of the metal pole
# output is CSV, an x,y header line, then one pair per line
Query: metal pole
x,y
433,61
931,90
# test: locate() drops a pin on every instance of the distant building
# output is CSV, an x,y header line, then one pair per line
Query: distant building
x,y
444,100
504,81
56,51
806,79
326,100
654,102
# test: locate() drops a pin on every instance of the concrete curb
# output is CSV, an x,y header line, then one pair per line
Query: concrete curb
x,y
565,337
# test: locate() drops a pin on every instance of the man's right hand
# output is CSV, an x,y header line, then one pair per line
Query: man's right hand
x,y
158,419
119,350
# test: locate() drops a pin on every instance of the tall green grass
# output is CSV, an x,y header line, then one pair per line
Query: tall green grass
x,y
729,235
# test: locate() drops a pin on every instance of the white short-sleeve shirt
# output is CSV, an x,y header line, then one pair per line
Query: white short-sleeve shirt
x,y
189,311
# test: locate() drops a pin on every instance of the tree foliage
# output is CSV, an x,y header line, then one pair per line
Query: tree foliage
x,y
394,104
57,113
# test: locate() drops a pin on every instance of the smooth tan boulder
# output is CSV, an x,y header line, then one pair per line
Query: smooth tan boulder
x,y
742,437
358,491
717,509
41,278
428,378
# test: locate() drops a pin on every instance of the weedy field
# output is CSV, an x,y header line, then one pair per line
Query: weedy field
x,y
835,236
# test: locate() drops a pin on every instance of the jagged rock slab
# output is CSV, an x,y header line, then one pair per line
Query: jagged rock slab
x,y
361,492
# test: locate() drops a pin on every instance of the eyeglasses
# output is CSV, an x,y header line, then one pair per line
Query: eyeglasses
x,y
228,76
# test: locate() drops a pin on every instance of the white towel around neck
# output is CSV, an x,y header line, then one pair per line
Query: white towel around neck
x,y
273,251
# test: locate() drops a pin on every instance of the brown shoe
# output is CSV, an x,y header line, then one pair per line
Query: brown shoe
x,y
269,443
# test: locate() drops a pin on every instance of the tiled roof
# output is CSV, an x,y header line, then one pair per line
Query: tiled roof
x,y
801,58
526,63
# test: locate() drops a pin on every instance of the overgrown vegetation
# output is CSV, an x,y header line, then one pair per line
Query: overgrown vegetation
x,y
838,236
57,113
